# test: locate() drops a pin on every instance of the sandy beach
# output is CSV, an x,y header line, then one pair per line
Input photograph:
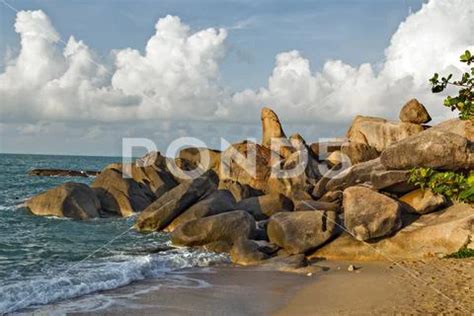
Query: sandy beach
x,y
410,287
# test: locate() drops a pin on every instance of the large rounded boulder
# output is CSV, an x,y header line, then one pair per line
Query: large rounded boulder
x,y
170,205
203,158
225,228
380,133
302,231
120,194
423,201
369,214
264,206
73,200
238,190
247,163
414,112
431,235
432,149
219,201
372,173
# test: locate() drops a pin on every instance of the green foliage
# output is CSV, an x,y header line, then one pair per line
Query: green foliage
x,y
464,101
464,252
453,185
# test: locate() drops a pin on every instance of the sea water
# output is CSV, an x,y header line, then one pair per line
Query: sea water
x,y
44,260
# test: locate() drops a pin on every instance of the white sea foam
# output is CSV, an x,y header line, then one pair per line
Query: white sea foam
x,y
92,276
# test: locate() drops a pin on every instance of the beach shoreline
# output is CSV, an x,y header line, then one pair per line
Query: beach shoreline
x,y
412,287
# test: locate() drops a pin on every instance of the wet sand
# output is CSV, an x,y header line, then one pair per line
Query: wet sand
x,y
414,287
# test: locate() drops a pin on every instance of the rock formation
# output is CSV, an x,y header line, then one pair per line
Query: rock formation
x,y
380,133
301,231
73,200
62,173
369,214
435,234
120,195
423,201
170,205
271,127
250,203
432,149
414,112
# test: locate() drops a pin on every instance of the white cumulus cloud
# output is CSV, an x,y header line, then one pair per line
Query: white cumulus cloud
x,y
427,41
177,75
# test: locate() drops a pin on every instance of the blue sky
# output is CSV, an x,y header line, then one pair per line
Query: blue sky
x,y
355,31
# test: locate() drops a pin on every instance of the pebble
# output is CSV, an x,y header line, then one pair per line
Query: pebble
x,y
351,268
309,274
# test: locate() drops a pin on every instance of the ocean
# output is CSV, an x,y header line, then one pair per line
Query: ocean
x,y
44,260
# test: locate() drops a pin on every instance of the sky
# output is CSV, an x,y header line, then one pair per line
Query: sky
x,y
78,76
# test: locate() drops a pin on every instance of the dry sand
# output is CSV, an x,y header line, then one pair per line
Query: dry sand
x,y
415,287
411,287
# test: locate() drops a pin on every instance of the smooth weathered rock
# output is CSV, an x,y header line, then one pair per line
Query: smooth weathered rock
x,y
238,190
369,214
219,201
62,173
225,228
203,158
157,180
247,252
121,195
423,201
297,141
267,247
414,112
312,205
152,158
371,173
299,232
332,196
299,173
174,168
319,188
73,200
335,158
163,211
321,150
271,127
358,152
431,148
286,263
464,128
435,234
238,164
264,206
380,133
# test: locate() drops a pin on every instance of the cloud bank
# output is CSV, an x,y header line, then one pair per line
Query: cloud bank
x,y
177,75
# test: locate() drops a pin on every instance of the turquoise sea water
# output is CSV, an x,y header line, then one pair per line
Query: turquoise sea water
x,y
46,259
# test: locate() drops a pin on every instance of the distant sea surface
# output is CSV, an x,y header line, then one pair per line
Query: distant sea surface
x,y
44,260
